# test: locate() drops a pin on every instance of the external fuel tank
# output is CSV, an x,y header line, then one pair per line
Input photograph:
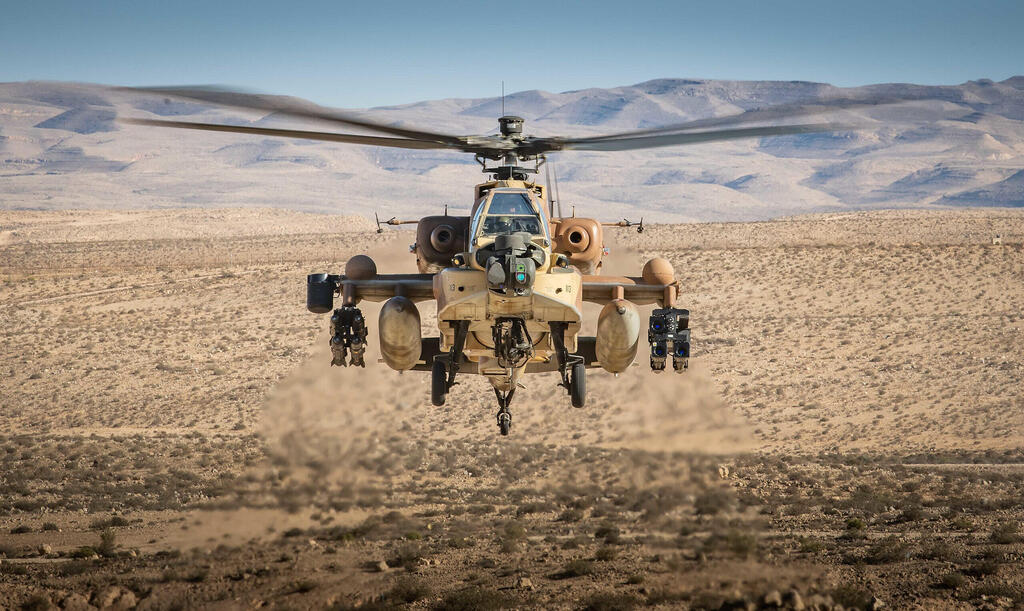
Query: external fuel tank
x,y
399,328
618,335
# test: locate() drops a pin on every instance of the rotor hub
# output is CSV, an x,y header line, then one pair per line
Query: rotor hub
x,y
510,125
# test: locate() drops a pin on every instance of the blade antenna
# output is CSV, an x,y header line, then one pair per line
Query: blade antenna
x,y
558,196
551,198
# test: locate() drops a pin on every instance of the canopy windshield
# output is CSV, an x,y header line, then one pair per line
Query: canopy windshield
x,y
510,212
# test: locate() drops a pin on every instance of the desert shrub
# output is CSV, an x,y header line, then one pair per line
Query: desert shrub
x,y
302,586
1005,533
474,599
108,543
576,568
952,581
530,508
982,568
13,569
610,533
712,502
37,602
855,524
810,545
997,589
852,597
672,598
635,579
511,536
962,523
406,555
606,553
610,601
738,542
195,575
50,526
939,550
889,549
108,523
83,552
571,515
461,542
20,529
910,513
408,590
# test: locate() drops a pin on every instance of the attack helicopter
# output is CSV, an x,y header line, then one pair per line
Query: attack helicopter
x,y
510,278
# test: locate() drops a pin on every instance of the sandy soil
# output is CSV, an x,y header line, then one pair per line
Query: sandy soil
x,y
848,434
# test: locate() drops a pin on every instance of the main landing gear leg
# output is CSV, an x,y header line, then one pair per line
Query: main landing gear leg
x,y
447,366
504,415
570,366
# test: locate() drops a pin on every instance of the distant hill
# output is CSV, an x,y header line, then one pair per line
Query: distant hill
x,y
963,145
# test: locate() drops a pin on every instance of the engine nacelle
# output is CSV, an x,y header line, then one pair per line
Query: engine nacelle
x,y
399,328
438,239
580,239
618,335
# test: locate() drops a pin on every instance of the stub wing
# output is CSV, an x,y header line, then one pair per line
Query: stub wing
x,y
415,287
603,289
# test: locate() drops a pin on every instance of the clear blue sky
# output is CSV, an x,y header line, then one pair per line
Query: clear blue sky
x,y
391,52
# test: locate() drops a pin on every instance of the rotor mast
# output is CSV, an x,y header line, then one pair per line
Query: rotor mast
x,y
511,128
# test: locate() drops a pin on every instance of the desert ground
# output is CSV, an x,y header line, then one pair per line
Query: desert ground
x,y
849,434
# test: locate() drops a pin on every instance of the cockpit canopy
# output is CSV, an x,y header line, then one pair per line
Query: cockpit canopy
x,y
508,211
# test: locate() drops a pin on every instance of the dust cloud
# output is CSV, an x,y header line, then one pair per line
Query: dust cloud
x,y
342,424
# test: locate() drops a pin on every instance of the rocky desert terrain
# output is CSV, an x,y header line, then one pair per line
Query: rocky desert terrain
x,y
848,435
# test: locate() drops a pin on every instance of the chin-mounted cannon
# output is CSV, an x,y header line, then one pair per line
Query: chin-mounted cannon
x,y
512,263
669,335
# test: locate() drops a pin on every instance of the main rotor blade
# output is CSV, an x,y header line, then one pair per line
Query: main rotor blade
x,y
292,107
404,143
772,113
643,142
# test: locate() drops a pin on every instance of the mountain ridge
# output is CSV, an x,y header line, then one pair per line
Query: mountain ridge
x,y
954,145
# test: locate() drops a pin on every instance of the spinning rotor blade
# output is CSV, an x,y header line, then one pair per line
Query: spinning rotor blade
x,y
643,142
404,143
292,107
771,113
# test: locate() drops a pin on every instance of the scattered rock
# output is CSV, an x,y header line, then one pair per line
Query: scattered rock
x,y
75,602
114,598
45,549
382,566
795,601
524,583
773,599
876,604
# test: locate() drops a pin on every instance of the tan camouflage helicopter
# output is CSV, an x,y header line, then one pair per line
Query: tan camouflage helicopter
x,y
510,278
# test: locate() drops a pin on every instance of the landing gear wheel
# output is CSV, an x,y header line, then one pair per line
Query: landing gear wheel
x,y
504,422
578,384
438,383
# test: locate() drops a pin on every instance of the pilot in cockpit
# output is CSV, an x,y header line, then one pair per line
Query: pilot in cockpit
x,y
511,213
